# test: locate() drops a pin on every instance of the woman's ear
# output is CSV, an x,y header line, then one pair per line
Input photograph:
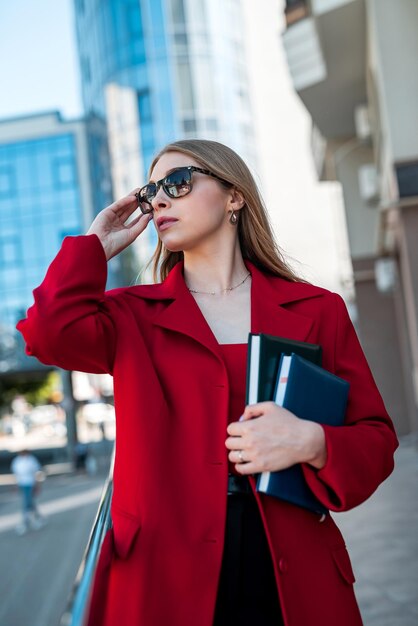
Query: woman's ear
x,y
237,200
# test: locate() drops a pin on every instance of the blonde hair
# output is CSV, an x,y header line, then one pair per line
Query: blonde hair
x,y
255,234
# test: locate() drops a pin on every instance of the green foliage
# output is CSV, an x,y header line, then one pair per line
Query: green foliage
x,y
35,390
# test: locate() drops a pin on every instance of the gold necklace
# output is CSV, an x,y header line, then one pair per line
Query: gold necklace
x,y
213,293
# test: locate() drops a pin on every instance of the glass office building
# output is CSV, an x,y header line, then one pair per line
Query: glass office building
x,y
160,70
53,178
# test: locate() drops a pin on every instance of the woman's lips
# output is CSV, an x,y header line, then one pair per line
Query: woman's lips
x,y
166,223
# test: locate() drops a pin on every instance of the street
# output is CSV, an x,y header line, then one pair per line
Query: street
x,y
37,569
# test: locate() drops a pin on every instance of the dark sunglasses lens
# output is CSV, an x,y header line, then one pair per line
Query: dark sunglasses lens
x,y
178,183
144,197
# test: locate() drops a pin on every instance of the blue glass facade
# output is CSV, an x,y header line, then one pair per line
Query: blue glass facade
x,y
125,42
39,205
167,69
186,61
99,167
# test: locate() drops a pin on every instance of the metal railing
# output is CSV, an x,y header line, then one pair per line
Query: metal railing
x,y
78,602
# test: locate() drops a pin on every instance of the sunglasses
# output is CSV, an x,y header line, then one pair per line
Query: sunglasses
x,y
176,184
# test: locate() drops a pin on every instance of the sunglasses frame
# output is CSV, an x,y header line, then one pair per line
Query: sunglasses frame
x,y
162,183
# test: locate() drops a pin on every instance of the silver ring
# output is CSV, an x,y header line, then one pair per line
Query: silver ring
x,y
241,459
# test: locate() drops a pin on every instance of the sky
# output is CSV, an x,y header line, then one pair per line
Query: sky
x,y
38,68
39,72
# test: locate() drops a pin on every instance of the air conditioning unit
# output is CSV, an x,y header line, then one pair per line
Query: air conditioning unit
x,y
368,182
362,121
385,274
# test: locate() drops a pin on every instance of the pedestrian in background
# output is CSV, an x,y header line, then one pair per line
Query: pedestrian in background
x,y
81,452
192,542
25,467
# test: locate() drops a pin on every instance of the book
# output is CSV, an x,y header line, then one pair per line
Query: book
x,y
311,393
264,353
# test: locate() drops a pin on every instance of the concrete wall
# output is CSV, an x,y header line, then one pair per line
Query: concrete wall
x,y
408,249
382,332
393,44
362,218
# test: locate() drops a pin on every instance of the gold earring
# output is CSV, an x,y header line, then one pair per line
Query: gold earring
x,y
233,218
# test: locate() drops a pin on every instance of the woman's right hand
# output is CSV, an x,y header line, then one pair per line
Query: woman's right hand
x,y
111,228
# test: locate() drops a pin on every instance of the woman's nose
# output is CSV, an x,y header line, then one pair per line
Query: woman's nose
x,y
160,200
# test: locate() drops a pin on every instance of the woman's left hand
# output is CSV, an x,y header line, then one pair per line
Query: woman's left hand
x,y
272,438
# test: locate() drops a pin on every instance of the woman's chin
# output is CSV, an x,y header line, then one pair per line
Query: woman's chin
x,y
173,246
177,244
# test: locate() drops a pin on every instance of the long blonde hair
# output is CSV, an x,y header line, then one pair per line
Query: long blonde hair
x,y
254,230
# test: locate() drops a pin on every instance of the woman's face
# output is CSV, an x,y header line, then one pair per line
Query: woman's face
x,y
197,219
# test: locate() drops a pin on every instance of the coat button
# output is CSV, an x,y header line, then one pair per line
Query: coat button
x,y
283,566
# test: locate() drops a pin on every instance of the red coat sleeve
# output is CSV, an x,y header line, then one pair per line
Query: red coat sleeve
x,y
70,324
360,453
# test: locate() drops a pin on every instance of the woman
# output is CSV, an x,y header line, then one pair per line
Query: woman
x,y
191,545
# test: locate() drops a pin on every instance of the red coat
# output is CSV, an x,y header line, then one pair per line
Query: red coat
x,y
161,561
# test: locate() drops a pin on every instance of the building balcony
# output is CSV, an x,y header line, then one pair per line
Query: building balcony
x,y
325,43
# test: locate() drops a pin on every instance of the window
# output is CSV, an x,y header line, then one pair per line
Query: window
x,y
189,126
64,172
137,51
181,43
200,11
7,181
205,84
145,122
134,20
144,106
69,232
147,136
9,251
177,9
85,69
212,124
184,82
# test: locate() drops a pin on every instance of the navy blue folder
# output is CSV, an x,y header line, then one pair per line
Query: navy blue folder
x,y
312,393
264,353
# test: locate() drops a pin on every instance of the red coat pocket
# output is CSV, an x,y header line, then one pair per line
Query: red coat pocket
x,y
125,530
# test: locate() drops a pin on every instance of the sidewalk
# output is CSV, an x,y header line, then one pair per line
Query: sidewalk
x,y
39,568
382,539
381,535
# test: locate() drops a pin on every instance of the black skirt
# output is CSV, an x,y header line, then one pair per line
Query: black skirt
x,y
247,593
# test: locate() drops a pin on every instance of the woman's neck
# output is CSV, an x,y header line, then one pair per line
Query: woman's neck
x,y
215,273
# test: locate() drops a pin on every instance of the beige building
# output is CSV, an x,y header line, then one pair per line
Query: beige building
x,y
354,64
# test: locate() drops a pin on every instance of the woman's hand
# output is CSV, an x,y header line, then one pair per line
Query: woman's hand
x,y
272,438
111,228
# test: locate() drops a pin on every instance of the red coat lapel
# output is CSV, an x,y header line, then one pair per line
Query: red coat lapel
x,y
182,314
268,315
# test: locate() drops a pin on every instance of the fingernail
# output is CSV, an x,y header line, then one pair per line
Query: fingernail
x,y
241,418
